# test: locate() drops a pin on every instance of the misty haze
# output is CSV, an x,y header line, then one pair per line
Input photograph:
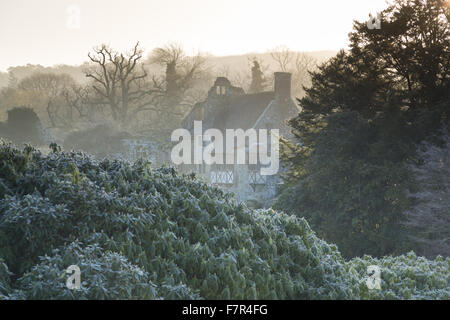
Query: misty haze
x,y
224,150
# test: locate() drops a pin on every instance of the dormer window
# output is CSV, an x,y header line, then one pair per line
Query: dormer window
x,y
221,90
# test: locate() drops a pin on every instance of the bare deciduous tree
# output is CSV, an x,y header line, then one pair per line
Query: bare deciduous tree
x,y
176,90
297,63
181,73
304,64
242,78
120,80
45,91
79,103
283,56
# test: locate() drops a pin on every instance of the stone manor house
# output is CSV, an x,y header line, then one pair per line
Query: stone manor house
x,y
229,107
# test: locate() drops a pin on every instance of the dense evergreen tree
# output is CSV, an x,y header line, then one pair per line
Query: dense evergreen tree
x,y
258,81
359,123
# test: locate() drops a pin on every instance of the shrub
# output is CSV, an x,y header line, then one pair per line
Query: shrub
x,y
117,278
99,141
136,232
23,126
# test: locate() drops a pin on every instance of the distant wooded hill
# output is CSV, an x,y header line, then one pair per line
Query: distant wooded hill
x,y
222,65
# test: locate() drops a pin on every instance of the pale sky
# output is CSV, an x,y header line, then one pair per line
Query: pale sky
x,y
46,31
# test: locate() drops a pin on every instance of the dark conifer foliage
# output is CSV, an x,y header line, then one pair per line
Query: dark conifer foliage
x,y
361,120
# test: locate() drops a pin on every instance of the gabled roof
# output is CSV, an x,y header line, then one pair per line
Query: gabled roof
x,y
228,107
243,111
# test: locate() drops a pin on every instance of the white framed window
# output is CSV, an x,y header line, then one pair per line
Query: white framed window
x,y
221,90
255,177
222,174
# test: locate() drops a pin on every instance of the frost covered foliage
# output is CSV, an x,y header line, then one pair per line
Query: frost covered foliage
x,y
430,217
140,233
5,288
106,275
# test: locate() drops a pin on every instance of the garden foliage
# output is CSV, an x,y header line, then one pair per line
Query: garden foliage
x,y
143,233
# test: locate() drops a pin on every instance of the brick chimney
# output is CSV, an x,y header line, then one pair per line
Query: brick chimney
x,y
282,86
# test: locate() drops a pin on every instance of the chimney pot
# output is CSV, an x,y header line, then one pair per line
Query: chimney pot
x,y
282,85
